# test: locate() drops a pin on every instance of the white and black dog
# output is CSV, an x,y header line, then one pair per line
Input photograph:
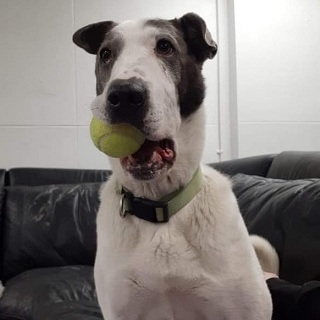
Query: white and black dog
x,y
198,263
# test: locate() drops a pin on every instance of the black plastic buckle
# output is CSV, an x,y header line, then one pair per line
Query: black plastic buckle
x,y
152,211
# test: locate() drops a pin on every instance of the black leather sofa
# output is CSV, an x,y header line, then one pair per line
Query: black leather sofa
x,y
47,234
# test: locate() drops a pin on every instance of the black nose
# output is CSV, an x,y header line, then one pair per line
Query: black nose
x,y
126,95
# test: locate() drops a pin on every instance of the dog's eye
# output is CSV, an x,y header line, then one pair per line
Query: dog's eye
x,y
164,47
105,55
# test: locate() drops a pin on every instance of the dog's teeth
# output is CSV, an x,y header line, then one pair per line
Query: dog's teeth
x,y
155,157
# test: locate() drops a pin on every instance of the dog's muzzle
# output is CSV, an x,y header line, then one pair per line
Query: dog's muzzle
x,y
127,101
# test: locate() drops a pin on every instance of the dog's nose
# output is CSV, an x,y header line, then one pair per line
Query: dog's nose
x,y
126,95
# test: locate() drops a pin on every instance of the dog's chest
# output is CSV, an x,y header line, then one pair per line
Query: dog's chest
x,y
187,246
185,269
157,271
160,250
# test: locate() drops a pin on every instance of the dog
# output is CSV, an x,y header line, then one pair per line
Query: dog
x,y
153,262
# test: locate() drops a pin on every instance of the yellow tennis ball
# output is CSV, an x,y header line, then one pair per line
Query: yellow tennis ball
x,y
116,140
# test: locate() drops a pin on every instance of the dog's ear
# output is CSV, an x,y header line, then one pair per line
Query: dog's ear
x,y
198,37
90,37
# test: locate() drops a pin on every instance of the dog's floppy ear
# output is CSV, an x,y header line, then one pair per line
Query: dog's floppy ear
x,y
90,37
198,37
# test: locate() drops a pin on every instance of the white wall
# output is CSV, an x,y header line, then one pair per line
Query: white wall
x,y
47,84
263,87
278,75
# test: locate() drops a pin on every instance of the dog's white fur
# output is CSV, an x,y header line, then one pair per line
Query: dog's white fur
x,y
266,254
200,265
1,289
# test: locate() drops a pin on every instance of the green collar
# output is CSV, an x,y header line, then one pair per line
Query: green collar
x,y
163,210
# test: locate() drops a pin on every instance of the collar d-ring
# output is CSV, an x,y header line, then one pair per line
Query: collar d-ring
x,y
123,205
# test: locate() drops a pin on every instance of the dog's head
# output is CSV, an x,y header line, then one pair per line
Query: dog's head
x,y
149,75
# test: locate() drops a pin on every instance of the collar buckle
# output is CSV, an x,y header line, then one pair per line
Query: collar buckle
x,y
124,205
159,211
162,213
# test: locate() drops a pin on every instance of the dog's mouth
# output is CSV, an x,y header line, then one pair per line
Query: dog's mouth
x,y
150,160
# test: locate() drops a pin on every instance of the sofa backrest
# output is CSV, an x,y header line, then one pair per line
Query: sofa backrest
x,y
48,218
284,207
47,176
287,213
45,226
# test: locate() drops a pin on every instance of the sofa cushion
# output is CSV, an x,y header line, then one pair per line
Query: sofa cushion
x,y
70,310
47,226
287,213
51,293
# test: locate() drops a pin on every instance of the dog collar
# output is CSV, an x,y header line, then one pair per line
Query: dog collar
x,y
160,211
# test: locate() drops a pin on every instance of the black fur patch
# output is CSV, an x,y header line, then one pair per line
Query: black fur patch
x,y
184,66
90,37
191,88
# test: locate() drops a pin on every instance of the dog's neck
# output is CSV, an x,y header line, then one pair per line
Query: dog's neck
x,y
162,187
190,142
160,211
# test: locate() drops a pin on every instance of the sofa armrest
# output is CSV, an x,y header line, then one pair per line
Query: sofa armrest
x,y
257,165
291,165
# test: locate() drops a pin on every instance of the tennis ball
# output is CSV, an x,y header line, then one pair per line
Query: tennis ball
x,y
116,140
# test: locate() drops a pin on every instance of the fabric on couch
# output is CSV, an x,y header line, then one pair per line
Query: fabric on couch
x,y
51,293
47,226
287,213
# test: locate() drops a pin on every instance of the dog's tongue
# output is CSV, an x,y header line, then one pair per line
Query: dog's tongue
x,y
152,151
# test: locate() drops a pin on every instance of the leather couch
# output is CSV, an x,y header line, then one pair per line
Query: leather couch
x,y
48,241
